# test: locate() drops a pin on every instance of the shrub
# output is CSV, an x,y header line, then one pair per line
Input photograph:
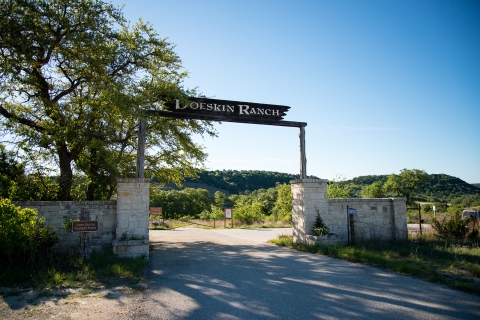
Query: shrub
x,y
249,213
23,238
319,228
456,227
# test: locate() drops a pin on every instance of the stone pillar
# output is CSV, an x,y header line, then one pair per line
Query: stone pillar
x,y
400,218
308,196
131,236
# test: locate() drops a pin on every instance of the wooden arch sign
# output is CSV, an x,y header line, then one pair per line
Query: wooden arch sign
x,y
225,111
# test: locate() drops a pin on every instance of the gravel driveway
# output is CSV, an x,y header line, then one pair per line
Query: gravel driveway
x,y
234,274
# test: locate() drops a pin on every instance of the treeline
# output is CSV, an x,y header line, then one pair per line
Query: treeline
x,y
245,181
274,204
432,187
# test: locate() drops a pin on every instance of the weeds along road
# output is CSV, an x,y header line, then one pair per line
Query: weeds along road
x,y
231,274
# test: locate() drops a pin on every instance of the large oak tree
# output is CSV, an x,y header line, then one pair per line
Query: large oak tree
x,y
74,79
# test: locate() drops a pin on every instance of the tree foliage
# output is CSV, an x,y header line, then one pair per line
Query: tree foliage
x,y
374,190
75,78
406,183
16,185
178,203
340,188
239,182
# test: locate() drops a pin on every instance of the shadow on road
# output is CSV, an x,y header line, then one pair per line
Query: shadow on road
x,y
206,280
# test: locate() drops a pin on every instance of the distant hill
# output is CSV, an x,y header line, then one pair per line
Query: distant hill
x,y
439,187
476,185
238,182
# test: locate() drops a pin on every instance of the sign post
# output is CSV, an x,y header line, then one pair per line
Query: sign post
x,y
84,226
157,211
228,214
350,224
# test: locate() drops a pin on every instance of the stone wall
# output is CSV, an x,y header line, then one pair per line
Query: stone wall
x,y
382,219
122,224
57,213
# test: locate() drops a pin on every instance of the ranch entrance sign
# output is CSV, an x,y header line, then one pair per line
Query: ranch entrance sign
x,y
225,111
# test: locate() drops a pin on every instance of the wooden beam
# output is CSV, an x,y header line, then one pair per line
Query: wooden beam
x,y
142,133
303,157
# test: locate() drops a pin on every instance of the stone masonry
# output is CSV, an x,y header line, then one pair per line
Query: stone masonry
x,y
308,196
131,236
59,213
382,219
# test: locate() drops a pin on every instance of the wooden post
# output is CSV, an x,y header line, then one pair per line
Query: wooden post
x,y
303,158
348,227
419,220
352,229
142,132
84,249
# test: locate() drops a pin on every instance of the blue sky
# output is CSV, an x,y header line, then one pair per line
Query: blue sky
x,y
383,85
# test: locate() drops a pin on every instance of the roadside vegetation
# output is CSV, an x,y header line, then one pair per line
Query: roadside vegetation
x,y
28,260
449,261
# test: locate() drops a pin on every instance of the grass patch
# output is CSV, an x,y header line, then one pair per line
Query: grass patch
x,y
454,263
155,224
220,224
62,271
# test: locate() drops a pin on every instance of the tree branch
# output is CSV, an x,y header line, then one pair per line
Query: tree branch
x,y
29,123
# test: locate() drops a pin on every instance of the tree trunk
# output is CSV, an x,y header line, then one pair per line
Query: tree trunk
x,y
93,172
66,173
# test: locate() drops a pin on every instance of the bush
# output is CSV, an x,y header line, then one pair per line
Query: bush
x,y
248,214
456,227
23,238
319,228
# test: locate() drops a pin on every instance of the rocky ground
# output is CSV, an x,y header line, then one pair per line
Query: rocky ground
x,y
113,303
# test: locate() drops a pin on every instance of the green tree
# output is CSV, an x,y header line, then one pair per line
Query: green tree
x,y
249,213
75,78
220,199
406,183
375,190
283,204
339,188
16,185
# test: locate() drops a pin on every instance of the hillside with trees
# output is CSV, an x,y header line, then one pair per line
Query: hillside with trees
x,y
244,181
436,187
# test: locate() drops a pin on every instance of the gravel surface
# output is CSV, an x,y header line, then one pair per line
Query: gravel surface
x,y
234,274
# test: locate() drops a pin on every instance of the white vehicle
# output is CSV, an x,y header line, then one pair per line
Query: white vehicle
x,y
471,213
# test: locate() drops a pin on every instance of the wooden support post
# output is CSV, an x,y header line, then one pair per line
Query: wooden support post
x,y
84,249
303,158
419,219
352,229
142,132
348,227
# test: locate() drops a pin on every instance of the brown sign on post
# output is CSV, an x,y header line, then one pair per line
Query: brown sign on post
x,y
84,226
156,211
